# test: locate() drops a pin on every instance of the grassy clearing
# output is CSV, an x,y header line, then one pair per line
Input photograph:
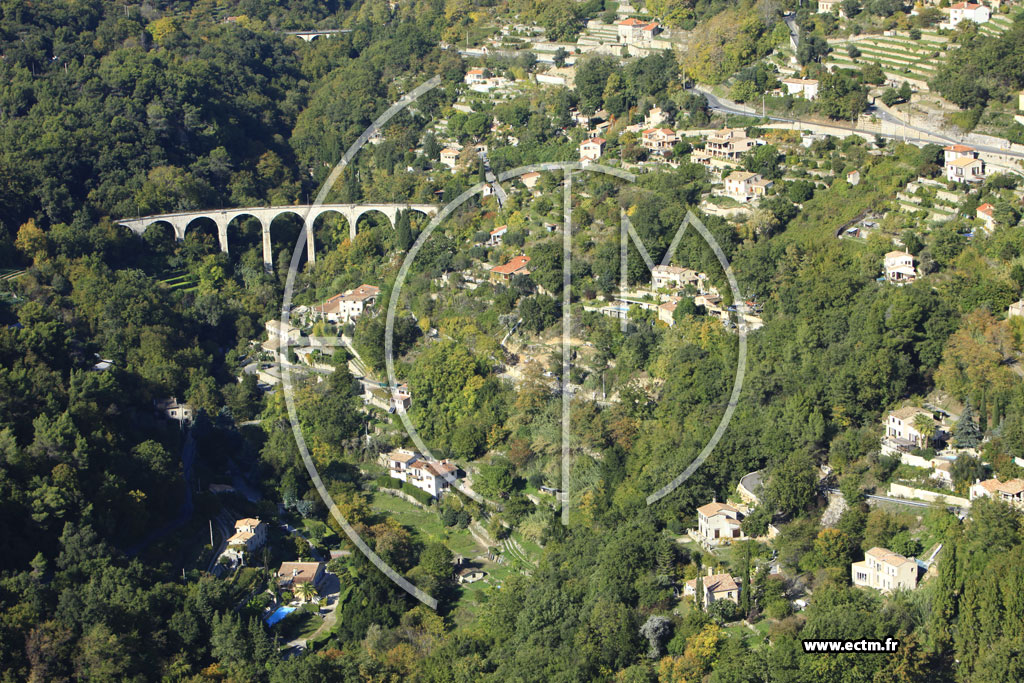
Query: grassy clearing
x,y
426,524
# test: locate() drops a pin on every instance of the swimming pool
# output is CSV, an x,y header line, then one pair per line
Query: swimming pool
x,y
279,614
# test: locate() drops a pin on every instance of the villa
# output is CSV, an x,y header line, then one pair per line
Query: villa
x,y
719,523
716,587
899,268
885,570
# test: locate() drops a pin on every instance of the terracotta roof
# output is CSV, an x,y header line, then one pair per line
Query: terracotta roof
x,y
362,293
449,150
964,5
500,228
1011,487
596,141
716,583
475,72
712,509
402,456
986,209
801,81
248,521
632,21
898,254
663,131
965,161
240,537
740,176
531,174
298,572
514,265
958,148
888,556
908,413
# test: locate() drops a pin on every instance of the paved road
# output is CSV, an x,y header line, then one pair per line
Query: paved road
x,y
725,106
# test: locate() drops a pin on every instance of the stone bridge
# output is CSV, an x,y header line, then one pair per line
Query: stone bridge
x,y
265,215
312,34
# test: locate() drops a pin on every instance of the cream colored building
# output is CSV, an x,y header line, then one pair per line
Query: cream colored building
x,y
1011,491
716,587
719,523
885,570
899,268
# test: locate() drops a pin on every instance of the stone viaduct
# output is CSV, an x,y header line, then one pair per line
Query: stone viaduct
x,y
265,215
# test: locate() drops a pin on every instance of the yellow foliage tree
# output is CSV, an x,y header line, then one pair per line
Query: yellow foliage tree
x,y
32,241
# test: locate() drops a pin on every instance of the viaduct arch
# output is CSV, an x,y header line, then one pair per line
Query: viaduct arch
x,y
265,215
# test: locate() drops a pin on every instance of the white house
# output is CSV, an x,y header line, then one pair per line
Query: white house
x,y
635,30
250,534
591,149
496,235
966,170
900,433
986,213
744,185
432,476
450,157
675,277
962,164
1011,491
899,268
1016,309
398,462
719,523
346,307
805,87
475,76
968,11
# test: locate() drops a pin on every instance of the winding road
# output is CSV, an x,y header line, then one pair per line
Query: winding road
x,y
725,106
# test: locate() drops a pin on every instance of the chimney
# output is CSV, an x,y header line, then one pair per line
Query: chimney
x,y
709,570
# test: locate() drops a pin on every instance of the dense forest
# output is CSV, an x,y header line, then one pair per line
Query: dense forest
x,y
110,111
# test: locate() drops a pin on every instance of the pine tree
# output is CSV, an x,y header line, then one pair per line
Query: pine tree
x,y
403,231
745,587
699,592
966,433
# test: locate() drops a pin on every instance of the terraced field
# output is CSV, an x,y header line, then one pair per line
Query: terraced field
x,y
181,280
901,58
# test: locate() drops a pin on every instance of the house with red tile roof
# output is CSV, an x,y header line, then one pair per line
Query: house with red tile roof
x,y
1011,491
716,587
659,140
591,149
719,523
986,212
515,266
968,11
346,307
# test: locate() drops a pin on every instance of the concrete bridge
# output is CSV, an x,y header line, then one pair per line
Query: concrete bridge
x,y
265,215
312,34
